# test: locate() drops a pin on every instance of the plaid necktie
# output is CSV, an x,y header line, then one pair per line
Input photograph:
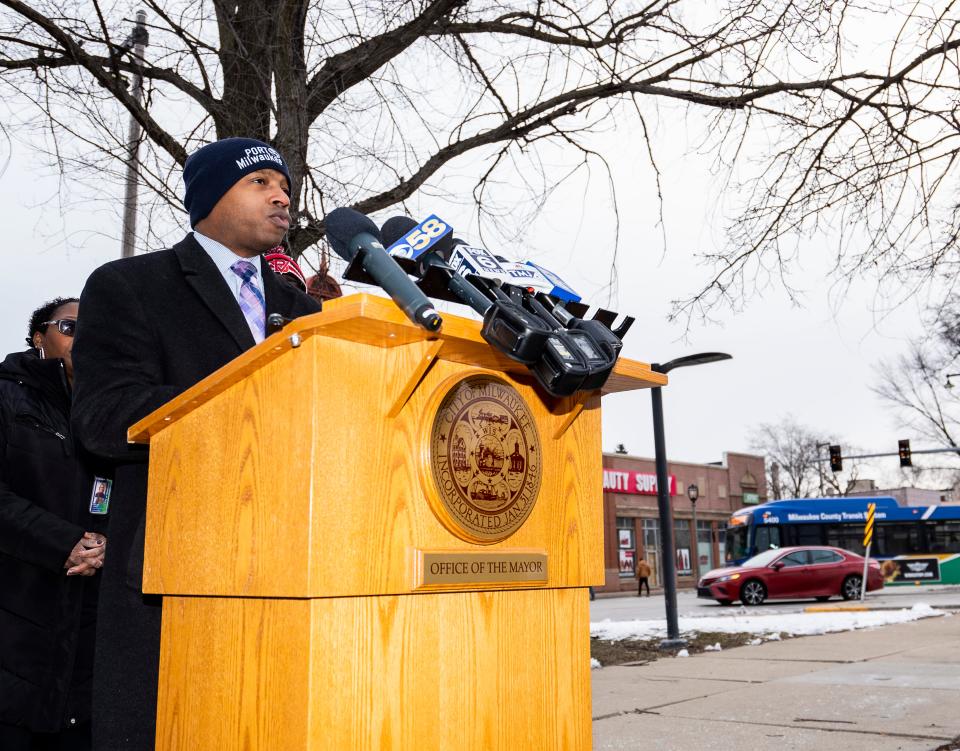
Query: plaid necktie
x,y
251,298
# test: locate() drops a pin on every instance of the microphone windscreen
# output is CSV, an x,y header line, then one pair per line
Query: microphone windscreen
x,y
394,228
344,224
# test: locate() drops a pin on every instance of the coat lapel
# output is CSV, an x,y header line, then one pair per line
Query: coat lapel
x,y
203,275
279,296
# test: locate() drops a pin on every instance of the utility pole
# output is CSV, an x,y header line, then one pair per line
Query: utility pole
x,y
137,41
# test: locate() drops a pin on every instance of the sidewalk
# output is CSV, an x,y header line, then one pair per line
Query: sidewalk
x,y
896,687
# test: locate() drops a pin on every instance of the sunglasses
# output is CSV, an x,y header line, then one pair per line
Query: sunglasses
x,y
66,326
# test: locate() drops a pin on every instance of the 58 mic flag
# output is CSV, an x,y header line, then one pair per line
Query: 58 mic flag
x,y
421,238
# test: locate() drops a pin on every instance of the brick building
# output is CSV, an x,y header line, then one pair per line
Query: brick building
x,y
632,525
909,496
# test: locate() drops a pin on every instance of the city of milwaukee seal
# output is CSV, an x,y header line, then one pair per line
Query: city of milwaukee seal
x,y
485,459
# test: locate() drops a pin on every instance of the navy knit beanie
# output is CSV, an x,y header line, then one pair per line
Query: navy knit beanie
x,y
215,168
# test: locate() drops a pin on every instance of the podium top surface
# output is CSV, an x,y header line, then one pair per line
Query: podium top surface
x,y
375,321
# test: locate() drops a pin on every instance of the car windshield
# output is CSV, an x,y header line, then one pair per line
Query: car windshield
x,y
762,559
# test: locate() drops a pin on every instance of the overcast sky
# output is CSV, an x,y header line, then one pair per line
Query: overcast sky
x,y
816,360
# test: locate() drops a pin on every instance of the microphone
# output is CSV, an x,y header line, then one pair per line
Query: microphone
x,y
353,234
601,334
575,355
598,349
276,322
563,356
506,326
397,227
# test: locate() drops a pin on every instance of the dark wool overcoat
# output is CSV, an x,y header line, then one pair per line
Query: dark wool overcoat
x,y
150,327
47,619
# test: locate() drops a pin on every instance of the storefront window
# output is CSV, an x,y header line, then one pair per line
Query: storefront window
x,y
626,546
681,529
651,549
705,545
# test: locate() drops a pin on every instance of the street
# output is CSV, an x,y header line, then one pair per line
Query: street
x,y
630,607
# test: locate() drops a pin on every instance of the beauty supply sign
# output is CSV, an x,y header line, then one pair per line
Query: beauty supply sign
x,y
634,483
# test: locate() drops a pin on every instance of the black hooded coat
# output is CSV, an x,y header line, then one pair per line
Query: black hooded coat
x,y
47,619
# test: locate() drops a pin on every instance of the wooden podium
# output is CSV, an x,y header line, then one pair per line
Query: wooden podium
x,y
372,537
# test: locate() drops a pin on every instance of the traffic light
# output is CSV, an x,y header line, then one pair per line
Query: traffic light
x,y
905,459
836,459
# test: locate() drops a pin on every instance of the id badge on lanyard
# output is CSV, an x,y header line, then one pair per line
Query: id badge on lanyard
x,y
100,496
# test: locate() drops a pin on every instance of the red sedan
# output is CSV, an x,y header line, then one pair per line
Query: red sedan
x,y
808,571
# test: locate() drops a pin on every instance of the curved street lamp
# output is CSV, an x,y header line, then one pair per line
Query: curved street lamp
x,y
667,551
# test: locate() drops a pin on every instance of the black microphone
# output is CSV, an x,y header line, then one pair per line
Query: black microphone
x,y
506,326
397,226
351,233
276,322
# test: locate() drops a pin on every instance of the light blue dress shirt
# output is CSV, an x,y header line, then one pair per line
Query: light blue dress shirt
x,y
223,258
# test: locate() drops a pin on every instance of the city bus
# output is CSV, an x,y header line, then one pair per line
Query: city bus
x,y
914,544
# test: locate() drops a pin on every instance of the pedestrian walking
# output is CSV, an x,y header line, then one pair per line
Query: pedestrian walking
x,y
643,577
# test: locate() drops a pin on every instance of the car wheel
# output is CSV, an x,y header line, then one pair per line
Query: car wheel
x,y
725,602
753,592
851,588
823,598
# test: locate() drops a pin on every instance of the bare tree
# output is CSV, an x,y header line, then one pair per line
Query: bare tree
x,y
794,449
373,100
915,386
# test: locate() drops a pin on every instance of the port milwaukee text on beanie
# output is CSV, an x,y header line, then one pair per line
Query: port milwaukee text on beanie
x,y
215,168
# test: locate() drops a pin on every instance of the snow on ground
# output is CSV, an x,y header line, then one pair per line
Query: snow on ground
x,y
795,624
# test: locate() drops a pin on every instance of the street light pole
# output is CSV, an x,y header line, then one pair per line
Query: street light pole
x,y
668,566
693,492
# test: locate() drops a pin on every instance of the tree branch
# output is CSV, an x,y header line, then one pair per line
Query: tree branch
x,y
346,69
115,86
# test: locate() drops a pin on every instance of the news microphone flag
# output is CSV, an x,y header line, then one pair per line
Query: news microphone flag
x,y
421,238
467,259
561,290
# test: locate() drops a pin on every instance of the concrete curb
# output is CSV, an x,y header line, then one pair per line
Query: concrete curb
x,y
841,609
867,608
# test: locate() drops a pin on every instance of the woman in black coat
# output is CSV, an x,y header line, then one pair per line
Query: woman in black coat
x,y
50,546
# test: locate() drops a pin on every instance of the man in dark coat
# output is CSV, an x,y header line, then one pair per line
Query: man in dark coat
x,y
153,326
47,601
